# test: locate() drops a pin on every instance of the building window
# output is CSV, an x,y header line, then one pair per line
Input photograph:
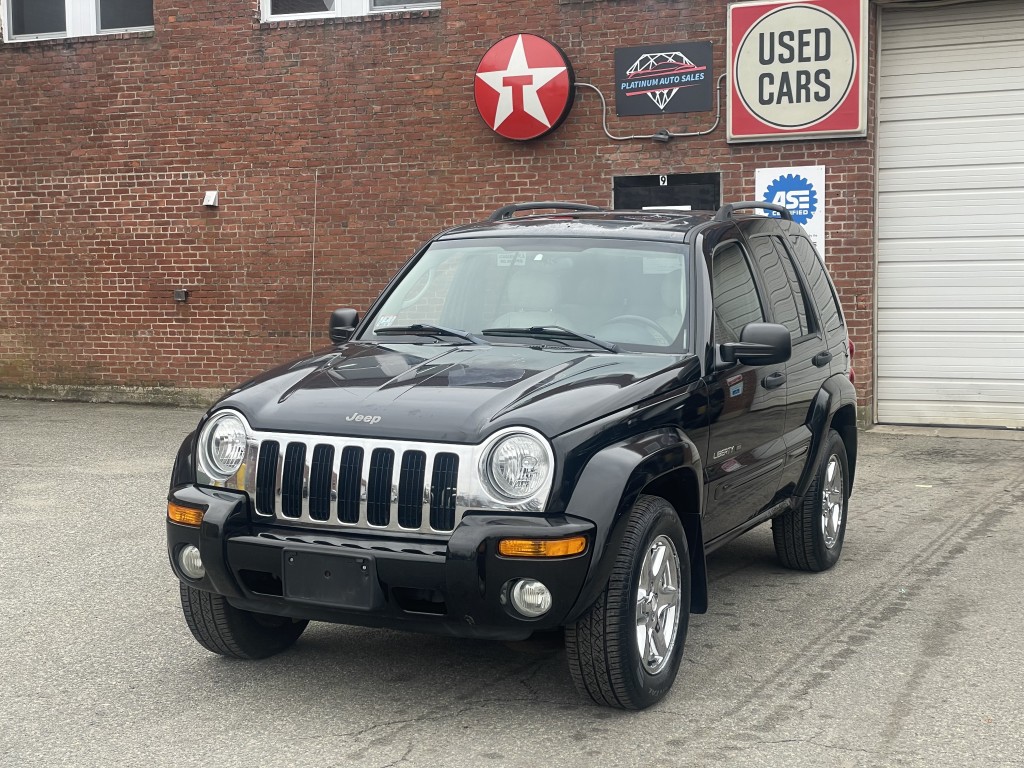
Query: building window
x,y
290,7
390,5
284,10
125,14
42,19
38,17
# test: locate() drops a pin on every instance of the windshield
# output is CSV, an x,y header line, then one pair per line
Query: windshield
x,y
629,293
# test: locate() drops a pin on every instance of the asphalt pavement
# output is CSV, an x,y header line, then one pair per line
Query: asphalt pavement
x,y
909,653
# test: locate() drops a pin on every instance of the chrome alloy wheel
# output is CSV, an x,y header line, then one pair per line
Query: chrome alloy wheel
x,y
832,502
657,604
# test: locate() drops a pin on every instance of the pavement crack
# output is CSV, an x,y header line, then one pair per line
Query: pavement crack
x,y
823,745
402,759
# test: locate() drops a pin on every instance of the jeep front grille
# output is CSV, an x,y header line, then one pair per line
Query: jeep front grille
x,y
352,483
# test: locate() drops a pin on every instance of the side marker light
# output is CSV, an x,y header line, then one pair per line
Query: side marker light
x,y
178,513
542,547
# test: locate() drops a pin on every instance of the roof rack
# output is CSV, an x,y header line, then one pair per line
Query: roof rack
x,y
725,212
506,212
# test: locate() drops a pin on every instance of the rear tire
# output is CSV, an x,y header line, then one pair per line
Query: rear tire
x,y
810,537
625,650
221,628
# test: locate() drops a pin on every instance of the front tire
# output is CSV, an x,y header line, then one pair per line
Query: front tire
x,y
625,650
810,537
221,628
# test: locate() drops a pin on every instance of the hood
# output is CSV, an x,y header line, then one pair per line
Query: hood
x,y
448,393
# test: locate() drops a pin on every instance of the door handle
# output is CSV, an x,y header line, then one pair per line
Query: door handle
x,y
773,380
822,359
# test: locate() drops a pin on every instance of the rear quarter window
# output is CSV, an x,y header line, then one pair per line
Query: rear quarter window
x,y
818,283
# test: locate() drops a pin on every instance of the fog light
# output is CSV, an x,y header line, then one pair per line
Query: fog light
x,y
190,562
531,598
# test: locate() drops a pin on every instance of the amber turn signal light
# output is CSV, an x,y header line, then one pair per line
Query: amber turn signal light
x,y
542,547
178,513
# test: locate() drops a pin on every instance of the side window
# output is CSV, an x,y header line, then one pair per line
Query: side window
x,y
804,309
817,283
736,299
777,283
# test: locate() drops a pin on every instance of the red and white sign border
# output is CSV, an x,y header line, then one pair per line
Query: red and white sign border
x,y
798,134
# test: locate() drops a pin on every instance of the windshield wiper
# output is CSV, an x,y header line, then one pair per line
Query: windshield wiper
x,y
553,332
426,329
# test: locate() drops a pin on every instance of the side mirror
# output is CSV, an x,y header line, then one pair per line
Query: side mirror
x,y
759,344
343,324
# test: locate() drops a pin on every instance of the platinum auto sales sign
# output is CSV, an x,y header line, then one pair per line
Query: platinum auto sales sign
x,y
797,69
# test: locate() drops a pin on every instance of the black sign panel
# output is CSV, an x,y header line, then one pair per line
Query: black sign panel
x,y
657,79
696,191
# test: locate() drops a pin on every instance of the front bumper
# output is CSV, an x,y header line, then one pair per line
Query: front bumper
x,y
456,586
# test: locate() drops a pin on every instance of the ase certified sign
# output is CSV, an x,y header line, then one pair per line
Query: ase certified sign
x,y
802,191
524,87
797,69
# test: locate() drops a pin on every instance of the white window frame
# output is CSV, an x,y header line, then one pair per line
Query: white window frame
x,y
82,19
342,8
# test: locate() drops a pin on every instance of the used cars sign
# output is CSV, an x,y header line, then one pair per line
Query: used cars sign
x,y
797,69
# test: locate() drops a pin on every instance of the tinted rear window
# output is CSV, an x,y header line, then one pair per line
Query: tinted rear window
x,y
818,283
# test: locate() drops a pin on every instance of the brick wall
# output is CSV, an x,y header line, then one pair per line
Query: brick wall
x,y
108,144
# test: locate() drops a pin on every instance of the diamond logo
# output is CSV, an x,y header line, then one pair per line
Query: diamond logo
x,y
660,76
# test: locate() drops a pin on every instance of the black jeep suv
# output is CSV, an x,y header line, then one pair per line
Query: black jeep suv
x,y
545,421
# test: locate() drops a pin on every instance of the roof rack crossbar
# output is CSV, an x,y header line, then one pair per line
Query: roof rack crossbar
x,y
725,212
507,211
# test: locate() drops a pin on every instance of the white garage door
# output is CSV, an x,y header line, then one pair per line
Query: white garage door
x,y
950,338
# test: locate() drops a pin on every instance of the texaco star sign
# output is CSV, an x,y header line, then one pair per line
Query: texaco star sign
x,y
524,87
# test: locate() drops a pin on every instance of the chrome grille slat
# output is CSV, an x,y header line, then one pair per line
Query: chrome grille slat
x,y
394,476
428,473
304,471
364,484
251,459
335,494
278,483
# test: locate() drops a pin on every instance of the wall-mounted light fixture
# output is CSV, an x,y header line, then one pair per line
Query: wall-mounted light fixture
x,y
211,199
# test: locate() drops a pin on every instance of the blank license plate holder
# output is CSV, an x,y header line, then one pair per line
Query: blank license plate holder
x,y
337,580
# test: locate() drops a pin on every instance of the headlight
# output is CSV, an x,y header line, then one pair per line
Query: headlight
x,y
222,445
517,466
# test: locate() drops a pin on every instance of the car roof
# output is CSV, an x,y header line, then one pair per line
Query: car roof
x,y
646,225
